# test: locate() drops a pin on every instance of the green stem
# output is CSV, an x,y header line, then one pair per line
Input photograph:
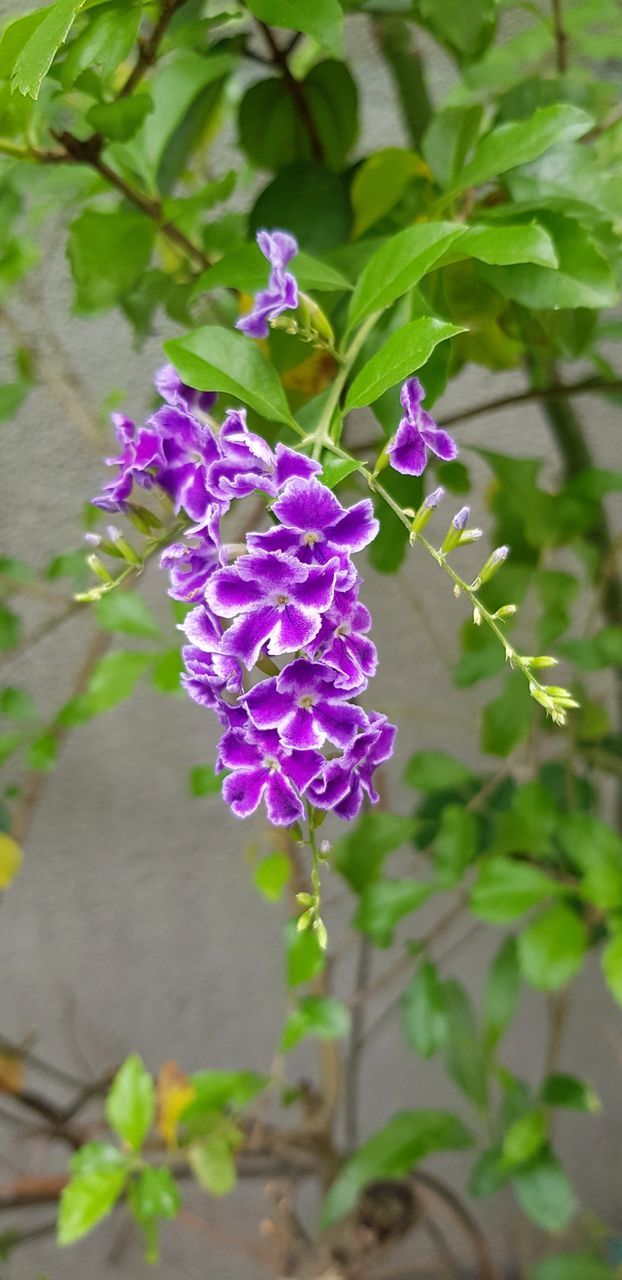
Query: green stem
x,y
516,660
322,436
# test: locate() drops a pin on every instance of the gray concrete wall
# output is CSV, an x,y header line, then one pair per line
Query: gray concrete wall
x,y
134,925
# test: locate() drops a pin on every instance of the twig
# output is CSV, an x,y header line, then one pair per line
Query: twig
x,y
558,391
37,779
487,1267
561,38
351,1075
148,49
61,387
294,88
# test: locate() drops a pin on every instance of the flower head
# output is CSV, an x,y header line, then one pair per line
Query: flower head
x,y
418,433
346,780
315,527
274,599
282,291
169,385
305,705
263,768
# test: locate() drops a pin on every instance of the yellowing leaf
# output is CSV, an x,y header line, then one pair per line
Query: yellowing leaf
x,y
10,859
174,1094
312,376
11,1073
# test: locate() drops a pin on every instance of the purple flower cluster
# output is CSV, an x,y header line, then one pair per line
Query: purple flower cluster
x,y
417,433
290,593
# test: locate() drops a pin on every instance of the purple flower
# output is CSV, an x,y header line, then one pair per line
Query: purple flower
x,y
141,451
282,291
343,644
246,462
205,658
346,781
315,527
189,449
192,562
263,768
417,433
169,385
273,598
305,706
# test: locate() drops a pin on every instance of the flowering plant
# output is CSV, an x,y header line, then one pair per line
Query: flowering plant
x,y
292,449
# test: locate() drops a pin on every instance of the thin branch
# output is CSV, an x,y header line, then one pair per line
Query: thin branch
x,y
351,1075
36,781
60,386
148,49
294,88
558,391
561,38
487,1267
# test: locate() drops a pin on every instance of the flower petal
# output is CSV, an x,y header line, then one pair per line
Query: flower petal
x,y
407,452
339,720
307,505
266,706
294,628
228,594
357,527
243,790
245,639
284,806
440,443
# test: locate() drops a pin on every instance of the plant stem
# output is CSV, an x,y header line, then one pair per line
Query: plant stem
x,y
295,90
322,437
561,38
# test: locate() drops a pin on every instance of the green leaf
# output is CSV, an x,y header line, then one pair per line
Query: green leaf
x,y
97,1157
424,1011
403,352
521,141
321,1016
35,57
272,875
392,1152
113,680
126,612
465,31
544,1193
104,43
167,671
87,1199
332,96
561,1090
334,470
501,992
507,245
17,704
213,1164
385,902
571,1266
611,961
597,850
155,1195
464,1050
217,359
304,955
525,1137
121,119
507,719
246,268
177,84
15,36
12,396
455,845
380,183
294,197
359,855
398,264
505,888
131,1105
552,948
108,253
408,72
43,752
583,277
449,139
431,771
204,781
322,20
217,1089
10,627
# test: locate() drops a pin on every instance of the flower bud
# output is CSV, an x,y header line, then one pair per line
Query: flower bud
x,y
99,568
304,920
506,611
453,537
427,508
494,562
321,934
543,660
93,539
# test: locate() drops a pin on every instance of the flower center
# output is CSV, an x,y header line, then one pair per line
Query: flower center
x,y
342,630
271,763
311,538
306,702
282,599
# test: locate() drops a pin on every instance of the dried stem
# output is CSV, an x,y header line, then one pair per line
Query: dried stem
x,y
294,88
561,38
